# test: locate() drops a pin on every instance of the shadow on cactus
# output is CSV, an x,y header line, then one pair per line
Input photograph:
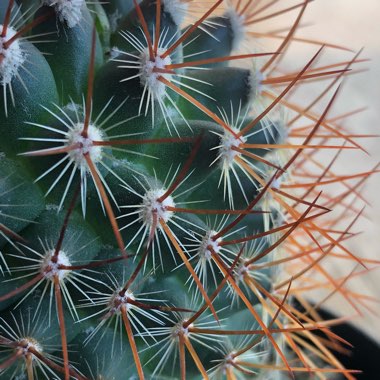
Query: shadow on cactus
x,y
166,207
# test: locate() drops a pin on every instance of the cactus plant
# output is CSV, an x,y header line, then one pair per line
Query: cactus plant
x,y
159,215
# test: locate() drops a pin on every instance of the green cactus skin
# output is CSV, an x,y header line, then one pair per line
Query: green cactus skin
x,y
148,229
69,43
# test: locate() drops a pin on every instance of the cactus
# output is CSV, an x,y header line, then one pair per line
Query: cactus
x,y
165,210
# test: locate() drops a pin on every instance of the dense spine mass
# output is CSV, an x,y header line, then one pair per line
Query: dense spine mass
x,y
165,204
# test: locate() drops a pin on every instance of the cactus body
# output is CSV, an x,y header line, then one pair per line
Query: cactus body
x,y
148,226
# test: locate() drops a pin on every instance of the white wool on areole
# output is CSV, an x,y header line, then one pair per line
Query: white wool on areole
x,y
177,9
237,25
13,56
152,205
51,268
227,153
208,243
69,11
117,301
85,145
29,345
149,77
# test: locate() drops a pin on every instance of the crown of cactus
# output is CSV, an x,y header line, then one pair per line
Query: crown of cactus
x,y
164,210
